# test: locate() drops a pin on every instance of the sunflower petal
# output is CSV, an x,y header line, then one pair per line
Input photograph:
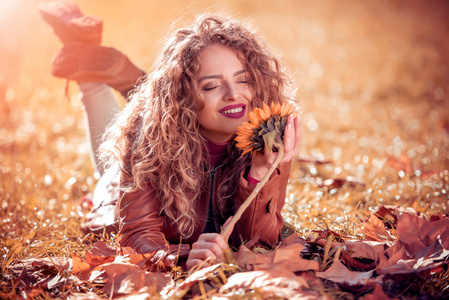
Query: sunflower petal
x,y
276,108
266,111
284,109
253,119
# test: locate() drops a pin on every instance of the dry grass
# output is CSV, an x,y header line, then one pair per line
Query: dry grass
x,y
373,84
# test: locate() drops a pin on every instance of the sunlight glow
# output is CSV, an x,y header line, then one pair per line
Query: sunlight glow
x,y
8,9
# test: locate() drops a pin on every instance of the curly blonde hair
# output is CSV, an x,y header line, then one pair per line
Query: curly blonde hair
x,y
156,139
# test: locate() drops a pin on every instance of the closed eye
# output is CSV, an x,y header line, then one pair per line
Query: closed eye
x,y
210,88
241,78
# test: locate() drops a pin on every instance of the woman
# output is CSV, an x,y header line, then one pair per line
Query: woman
x,y
181,176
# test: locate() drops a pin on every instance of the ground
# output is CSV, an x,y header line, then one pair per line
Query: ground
x,y
372,80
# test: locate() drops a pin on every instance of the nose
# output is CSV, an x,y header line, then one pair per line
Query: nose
x,y
231,93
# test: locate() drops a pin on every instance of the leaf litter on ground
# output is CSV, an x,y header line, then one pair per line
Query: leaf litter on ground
x,y
414,247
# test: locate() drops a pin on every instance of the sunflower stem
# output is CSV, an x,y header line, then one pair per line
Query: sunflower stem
x,y
226,231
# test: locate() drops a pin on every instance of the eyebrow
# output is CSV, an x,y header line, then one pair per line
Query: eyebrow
x,y
220,76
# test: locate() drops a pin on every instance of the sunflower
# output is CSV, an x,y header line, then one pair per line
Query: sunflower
x,y
265,126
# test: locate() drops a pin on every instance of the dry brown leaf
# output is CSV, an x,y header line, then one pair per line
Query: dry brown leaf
x,y
416,234
366,249
102,249
196,276
422,245
402,164
85,296
246,258
356,263
402,266
287,256
80,266
377,294
274,282
393,211
339,273
125,278
374,229
96,260
39,274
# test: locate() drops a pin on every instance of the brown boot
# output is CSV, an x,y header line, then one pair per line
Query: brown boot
x,y
89,63
69,24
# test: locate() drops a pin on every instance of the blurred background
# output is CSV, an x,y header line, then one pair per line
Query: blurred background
x,y
372,79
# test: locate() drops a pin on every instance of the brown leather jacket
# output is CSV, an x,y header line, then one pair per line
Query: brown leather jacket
x,y
144,229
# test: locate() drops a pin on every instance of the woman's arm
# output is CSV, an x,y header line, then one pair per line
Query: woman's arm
x,y
262,220
141,225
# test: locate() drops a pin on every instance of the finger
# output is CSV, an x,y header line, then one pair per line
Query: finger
x,y
298,135
192,263
213,248
289,135
202,254
214,238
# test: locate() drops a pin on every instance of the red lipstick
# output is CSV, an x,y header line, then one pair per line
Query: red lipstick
x,y
235,111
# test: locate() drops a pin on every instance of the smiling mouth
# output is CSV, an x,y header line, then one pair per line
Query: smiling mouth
x,y
233,112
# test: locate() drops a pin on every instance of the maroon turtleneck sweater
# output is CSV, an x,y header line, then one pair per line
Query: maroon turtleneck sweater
x,y
217,152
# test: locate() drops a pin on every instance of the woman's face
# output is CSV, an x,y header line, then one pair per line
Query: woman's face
x,y
226,94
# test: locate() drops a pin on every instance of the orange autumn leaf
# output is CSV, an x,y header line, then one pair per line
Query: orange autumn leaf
x,y
79,266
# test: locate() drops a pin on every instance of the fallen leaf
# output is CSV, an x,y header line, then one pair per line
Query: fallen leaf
x,y
196,276
366,249
374,229
324,234
393,211
125,278
402,164
38,274
95,260
377,294
416,234
274,282
358,263
288,257
422,245
102,249
80,266
339,273
85,296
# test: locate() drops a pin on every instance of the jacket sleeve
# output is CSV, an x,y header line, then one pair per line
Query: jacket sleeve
x,y
141,226
262,220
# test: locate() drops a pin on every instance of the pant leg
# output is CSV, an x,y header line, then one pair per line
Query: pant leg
x,y
100,107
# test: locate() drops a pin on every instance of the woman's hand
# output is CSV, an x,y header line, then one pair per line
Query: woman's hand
x,y
292,140
209,246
